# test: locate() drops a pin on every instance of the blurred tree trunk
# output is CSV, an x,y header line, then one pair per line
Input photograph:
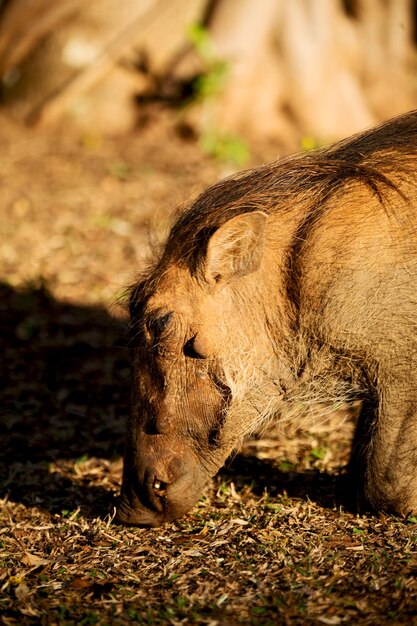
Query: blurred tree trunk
x,y
322,68
329,66
242,32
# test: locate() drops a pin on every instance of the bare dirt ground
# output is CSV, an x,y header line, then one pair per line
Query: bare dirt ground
x,y
272,541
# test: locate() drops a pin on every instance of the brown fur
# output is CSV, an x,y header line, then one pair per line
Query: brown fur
x,y
294,282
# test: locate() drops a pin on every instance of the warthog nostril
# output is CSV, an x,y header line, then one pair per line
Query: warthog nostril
x,y
159,487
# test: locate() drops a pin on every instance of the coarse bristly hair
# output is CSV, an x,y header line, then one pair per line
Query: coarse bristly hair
x,y
373,158
378,159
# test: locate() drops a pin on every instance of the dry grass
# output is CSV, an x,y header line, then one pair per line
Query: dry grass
x,y
272,541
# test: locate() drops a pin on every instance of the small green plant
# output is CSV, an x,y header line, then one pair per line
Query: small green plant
x,y
181,602
225,147
211,81
134,614
72,515
276,508
199,37
310,143
318,453
206,87
286,466
81,459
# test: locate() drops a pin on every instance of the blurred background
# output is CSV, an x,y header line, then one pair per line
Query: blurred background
x,y
296,72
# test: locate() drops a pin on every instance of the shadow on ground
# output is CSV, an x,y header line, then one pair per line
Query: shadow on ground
x,y
66,378
326,489
66,387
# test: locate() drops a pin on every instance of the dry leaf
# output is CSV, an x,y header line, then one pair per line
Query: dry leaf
x,y
80,583
330,620
22,592
33,560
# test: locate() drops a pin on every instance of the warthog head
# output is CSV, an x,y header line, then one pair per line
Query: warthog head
x,y
187,323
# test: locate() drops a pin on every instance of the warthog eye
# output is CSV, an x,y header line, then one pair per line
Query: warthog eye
x,y
156,325
190,351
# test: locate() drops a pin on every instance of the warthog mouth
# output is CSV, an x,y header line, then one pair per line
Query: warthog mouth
x,y
157,502
138,516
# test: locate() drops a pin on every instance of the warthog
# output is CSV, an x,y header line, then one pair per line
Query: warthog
x,y
295,280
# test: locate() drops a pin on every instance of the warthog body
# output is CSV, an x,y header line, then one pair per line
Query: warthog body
x,y
296,281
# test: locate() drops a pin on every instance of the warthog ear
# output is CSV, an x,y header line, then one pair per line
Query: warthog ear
x,y
236,248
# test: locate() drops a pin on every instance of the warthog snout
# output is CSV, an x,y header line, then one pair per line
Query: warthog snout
x,y
160,483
